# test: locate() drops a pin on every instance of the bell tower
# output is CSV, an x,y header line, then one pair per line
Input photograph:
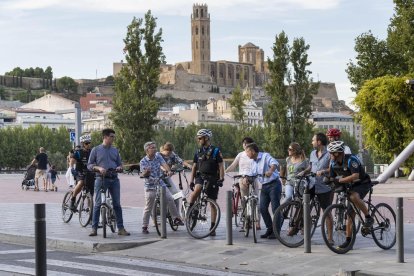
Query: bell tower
x,y
200,40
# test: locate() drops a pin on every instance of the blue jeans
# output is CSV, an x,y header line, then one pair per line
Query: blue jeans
x,y
270,194
114,189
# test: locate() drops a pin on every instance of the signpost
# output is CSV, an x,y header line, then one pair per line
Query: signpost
x,y
72,136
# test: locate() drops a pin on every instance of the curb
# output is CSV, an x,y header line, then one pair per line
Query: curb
x,y
71,245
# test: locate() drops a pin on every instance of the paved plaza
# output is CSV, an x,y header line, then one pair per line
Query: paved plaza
x,y
266,257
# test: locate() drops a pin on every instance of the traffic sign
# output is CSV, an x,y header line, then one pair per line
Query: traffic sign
x,y
72,136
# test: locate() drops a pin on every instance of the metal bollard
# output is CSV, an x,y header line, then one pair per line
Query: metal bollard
x,y
400,230
229,216
163,213
307,222
40,239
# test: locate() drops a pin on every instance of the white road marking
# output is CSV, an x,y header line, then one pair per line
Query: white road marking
x,y
19,251
158,264
96,268
30,271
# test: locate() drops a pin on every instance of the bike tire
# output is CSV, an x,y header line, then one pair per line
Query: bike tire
x,y
315,211
66,212
173,226
198,220
156,216
236,212
340,217
111,220
246,220
254,219
104,221
85,210
288,224
384,229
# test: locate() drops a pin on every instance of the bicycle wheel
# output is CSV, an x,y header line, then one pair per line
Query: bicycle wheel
x,y
156,211
104,220
340,217
111,219
288,224
247,221
199,220
253,218
66,212
85,210
173,226
384,228
315,210
236,208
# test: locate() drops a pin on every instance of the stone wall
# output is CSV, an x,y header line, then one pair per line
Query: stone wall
x,y
25,83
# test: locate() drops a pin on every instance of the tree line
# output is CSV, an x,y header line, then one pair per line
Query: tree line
x,y
32,72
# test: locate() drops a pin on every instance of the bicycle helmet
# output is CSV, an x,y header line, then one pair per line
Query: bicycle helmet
x,y
336,146
85,138
333,132
204,133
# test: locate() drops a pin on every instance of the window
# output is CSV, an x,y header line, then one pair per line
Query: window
x,y
202,13
196,30
202,31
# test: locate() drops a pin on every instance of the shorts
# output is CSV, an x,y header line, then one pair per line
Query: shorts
x,y
212,188
40,173
53,180
325,199
362,190
88,178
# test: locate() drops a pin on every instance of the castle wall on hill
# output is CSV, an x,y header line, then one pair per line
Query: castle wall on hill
x,y
25,83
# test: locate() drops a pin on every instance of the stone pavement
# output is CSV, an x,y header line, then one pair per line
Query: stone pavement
x,y
266,257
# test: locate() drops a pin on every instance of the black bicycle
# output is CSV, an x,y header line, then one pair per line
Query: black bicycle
x,y
382,232
108,217
199,217
288,224
83,206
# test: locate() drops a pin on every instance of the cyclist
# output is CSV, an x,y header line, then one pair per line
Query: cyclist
x,y
172,159
245,166
102,159
151,165
208,162
79,159
266,166
334,134
348,169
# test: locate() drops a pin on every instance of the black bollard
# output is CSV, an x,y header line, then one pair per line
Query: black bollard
x,y
400,230
307,222
40,239
229,216
163,213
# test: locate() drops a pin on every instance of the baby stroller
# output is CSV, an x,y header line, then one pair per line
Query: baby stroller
x,y
29,178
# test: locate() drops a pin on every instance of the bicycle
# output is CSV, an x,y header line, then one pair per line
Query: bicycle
x,y
236,207
382,232
184,193
198,219
83,206
156,211
108,217
249,213
288,224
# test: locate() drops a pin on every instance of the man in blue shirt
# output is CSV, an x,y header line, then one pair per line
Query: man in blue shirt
x,y
106,161
265,166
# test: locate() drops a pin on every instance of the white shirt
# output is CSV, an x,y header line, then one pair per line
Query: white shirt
x,y
244,162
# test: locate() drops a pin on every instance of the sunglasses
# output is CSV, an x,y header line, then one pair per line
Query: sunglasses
x,y
290,149
87,143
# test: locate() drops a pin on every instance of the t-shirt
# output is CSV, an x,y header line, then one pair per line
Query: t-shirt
x,y
294,168
41,159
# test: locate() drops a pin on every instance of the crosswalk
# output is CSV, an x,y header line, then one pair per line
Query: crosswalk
x,y
98,263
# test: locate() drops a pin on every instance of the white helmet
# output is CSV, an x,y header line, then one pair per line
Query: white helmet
x,y
85,138
336,146
205,133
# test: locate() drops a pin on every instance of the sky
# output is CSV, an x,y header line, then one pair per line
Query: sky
x,y
82,38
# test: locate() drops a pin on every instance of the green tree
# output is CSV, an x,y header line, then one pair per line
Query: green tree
x,y
276,115
386,111
301,93
400,38
48,73
237,105
373,59
4,95
67,85
134,104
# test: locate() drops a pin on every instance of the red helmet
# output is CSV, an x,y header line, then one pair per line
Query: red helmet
x,y
333,132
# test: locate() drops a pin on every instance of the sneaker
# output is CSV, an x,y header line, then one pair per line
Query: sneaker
x,y
93,233
123,232
178,221
213,233
345,244
271,236
369,221
145,230
267,234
